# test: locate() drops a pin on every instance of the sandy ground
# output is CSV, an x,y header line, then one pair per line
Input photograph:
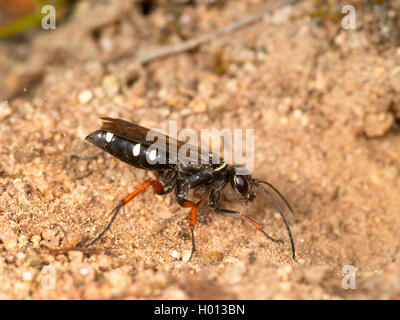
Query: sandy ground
x,y
324,103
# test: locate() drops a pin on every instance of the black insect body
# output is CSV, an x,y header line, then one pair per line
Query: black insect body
x,y
129,143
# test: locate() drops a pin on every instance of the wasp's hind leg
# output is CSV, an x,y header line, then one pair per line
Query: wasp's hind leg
x,y
212,200
158,188
182,190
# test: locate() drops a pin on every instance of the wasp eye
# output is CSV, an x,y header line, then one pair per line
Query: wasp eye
x,y
241,185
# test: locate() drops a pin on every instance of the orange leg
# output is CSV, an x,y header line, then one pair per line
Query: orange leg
x,y
192,221
157,188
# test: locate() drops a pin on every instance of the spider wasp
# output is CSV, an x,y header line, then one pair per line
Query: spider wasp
x,y
129,143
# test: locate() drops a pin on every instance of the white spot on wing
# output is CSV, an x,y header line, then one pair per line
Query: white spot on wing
x,y
153,155
109,136
136,149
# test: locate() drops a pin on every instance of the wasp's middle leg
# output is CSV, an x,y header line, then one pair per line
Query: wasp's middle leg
x,y
182,189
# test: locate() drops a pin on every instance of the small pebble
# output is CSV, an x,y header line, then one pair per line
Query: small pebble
x,y
73,238
84,271
46,122
104,262
54,243
297,113
76,256
27,276
378,72
231,86
110,85
85,96
284,121
186,255
395,71
118,100
391,172
199,106
5,110
284,273
106,43
21,255
376,125
250,68
99,92
304,120
205,88
316,274
285,105
36,239
48,234
174,293
176,254
282,15
9,238
10,259
119,280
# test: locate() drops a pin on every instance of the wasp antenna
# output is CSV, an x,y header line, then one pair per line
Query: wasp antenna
x,y
258,185
276,190
114,214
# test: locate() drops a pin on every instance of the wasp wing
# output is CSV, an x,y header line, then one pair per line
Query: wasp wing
x,y
138,134
130,131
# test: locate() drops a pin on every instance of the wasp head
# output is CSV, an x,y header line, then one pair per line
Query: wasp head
x,y
241,182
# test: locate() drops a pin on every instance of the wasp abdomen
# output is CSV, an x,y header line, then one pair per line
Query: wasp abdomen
x,y
133,153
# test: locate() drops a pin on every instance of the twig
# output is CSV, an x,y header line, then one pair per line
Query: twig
x,y
194,43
